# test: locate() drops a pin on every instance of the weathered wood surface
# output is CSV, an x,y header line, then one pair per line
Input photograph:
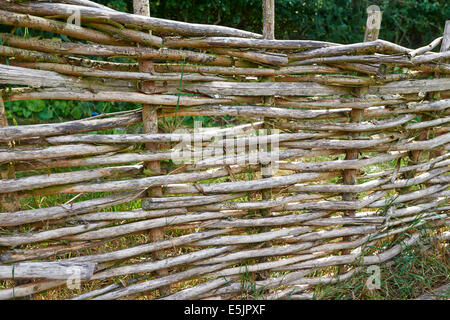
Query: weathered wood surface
x,y
222,89
8,202
30,288
114,51
27,238
342,120
147,248
72,30
56,151
441,293
259,111
196,137
129,96
85,125
156,24
379,46
364,126
33,215
163,264
55,179
145,225
48,270
234,42
412,86
33,77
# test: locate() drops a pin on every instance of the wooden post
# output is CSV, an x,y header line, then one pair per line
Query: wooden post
x,y
150,123
9,202
269,19
269,34
445,46
356,115
416,154
266,169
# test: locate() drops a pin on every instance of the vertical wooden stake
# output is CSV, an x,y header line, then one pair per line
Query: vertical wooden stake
x,y
269,34
445,46
150,123
356,115
9,202
416,154
266,169
269,19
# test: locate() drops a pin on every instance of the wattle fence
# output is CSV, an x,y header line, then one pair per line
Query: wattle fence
x,y
319,160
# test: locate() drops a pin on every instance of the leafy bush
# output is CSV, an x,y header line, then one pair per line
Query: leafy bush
x,y
407,22
31,111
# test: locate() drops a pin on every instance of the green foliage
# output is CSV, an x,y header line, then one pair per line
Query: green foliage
x,y
406,22
416,271
410,23
36,110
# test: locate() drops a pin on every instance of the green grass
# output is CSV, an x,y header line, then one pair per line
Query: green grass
x,y
416,271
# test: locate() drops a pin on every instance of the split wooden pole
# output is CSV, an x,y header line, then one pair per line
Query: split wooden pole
x,y
150,124
9,202
356,115
445,46
266,169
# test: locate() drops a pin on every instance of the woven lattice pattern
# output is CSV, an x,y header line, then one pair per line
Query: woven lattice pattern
x,y
318,159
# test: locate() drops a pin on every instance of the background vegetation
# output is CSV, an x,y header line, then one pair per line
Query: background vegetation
x,y
410,23
407,22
